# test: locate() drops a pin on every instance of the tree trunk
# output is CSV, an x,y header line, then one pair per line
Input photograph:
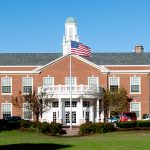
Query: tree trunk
x,y
37,117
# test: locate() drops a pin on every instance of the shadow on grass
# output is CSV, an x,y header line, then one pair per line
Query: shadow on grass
x,y
30,146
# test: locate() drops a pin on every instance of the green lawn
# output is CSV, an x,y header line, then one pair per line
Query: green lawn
x,y
22,140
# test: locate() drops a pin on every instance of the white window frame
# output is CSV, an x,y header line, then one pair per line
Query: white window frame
x,y
52,78
24,111
66,79
118,78
93,78
135,110
2,108
23,84
73,86
137,84
2,86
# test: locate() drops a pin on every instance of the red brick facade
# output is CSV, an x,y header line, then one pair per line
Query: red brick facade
x,y
81,70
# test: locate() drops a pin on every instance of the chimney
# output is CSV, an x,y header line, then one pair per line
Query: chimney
x,y
138,49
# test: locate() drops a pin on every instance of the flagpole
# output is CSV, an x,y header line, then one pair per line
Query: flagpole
x,y
70,93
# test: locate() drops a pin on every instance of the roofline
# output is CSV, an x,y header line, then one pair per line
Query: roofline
x,y
101,68
19,66
130,71
126,65
52,62
20,72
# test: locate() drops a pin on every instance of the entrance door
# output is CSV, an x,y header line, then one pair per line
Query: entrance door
x,y
67,117
86,115
66,112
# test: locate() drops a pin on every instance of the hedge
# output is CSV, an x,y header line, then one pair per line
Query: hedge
x,y
100,127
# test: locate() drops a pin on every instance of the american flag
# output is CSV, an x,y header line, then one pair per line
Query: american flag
x,y
78,48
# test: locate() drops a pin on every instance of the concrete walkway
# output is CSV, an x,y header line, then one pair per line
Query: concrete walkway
x,y
71,132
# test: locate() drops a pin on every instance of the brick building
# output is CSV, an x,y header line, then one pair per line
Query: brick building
x,y
25,71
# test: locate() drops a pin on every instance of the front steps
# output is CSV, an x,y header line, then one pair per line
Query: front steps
x,y
71,132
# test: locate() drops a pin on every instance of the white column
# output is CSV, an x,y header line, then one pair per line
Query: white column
x,y
97,111
59,120
81,119
92,112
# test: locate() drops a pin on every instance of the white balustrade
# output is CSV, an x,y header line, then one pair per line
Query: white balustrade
x,y
65,89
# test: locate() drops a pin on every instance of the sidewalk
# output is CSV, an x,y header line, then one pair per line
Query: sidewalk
x,y
73,132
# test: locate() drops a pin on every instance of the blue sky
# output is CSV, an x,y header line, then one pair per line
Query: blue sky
x,y
103,25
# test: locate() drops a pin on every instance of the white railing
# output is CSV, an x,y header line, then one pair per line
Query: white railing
x,y
66,89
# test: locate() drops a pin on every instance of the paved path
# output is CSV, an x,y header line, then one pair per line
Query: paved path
x,y
73,132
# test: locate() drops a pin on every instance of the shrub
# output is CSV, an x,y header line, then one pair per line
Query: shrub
x,y
145,123
45,127
3,124
26,123
55,128
86,127
129,124
13,125
97,127
100,127
108,127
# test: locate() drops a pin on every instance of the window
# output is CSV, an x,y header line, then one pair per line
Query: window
x,y
27,85
113,83
93,81
87,116
6,85
6,109
48,81
67,104
74,104
69,82
68,117
55,104
136,107
27,113
86,104
74,117
54,117
135,84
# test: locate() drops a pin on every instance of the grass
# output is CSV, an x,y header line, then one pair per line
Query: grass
x,y
22,140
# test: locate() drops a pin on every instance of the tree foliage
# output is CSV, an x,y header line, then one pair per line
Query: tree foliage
x,y
36,103
116,101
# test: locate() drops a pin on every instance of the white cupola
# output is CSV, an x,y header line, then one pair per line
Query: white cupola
x,y
70,35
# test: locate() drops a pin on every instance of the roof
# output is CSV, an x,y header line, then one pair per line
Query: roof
x,y
70,20
40,59
27,59
120,58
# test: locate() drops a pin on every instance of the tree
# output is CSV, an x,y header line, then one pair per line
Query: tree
x,y
116,101
36,103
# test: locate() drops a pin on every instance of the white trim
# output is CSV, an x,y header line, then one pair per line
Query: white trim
x,y
127,65
139,85
49,78
118,78
129,71
52,62
2,108
23,85
139,108
24,111
18,66
68,77
20,72
102,68
97,84
10,85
